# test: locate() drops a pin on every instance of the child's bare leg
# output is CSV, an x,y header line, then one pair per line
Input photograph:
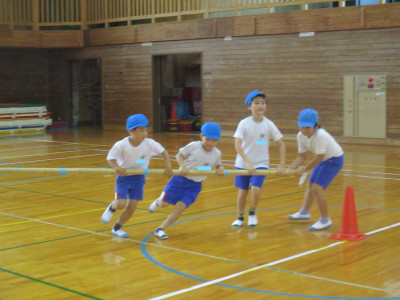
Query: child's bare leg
x,y
241,200
109,212
304,212
119,203
308,199
174,215
158,203
162,203
130,206
324,221
241,205
255,197
128,212
319,195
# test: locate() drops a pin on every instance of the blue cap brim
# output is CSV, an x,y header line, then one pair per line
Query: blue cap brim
x,y
137,125
305,124
252,95
213,137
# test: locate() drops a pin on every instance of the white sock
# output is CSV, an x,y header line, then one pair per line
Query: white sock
x,y
303,211
324,220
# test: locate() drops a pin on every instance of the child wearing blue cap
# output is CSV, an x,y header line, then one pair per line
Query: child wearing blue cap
x,y
252,146
182,190
132,152
326,164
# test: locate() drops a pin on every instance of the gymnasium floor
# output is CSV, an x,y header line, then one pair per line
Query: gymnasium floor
x,y
53,245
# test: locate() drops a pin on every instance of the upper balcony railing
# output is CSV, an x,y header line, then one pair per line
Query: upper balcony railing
x,y
86,14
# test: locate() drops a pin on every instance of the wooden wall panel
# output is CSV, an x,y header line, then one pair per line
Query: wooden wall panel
x,y
19,39
377,16
296,72
194,29
61,39
23,76
245,25
59,103
110,36
96,37
127,84
227,26
313,20
41,39
328,19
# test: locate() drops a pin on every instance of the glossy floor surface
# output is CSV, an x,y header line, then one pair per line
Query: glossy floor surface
x,y
53,245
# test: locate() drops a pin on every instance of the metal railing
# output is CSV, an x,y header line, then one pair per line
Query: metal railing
x,y
84,14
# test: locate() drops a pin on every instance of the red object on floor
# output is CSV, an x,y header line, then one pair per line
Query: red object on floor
x,y
173,112
349,229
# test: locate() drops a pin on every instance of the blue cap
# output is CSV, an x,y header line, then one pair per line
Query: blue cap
x,y
307,118
211,130
252,95
136,120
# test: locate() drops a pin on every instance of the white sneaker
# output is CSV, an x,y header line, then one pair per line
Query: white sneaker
x,y
320,226
298,216
237,223
161,234
153,206
107,215
120,233
252,222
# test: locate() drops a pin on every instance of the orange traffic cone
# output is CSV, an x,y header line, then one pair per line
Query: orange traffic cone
x,y
173,122
173,112
349,230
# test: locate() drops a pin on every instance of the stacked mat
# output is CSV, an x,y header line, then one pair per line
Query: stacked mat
x,y
23,118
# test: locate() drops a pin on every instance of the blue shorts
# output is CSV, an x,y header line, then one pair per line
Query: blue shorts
x,y
129,187
325,171
244,182
180,188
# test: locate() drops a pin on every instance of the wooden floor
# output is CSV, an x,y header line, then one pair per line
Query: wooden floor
x,y
53,245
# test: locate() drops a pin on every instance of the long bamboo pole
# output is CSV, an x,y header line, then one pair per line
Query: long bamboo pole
x,y
64,171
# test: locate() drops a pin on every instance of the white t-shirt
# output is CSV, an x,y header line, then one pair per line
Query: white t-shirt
x,y
195,156
130,157
321,142
255,141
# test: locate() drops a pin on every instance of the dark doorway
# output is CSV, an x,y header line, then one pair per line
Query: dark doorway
x,y
177,92
85,93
